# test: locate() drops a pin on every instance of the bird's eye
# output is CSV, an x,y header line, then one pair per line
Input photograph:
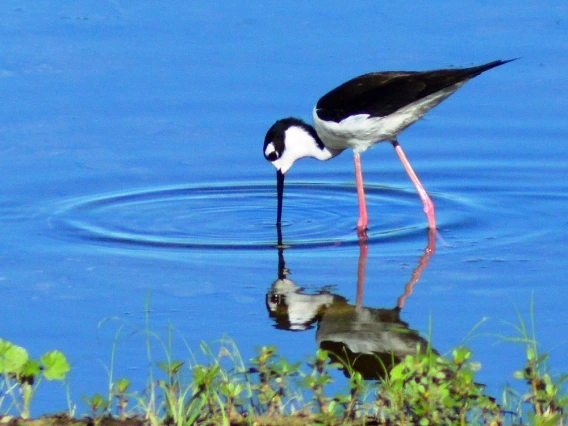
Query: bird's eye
x,y
277,299
270,152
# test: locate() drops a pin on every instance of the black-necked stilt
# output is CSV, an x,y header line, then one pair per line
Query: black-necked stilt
x,y
366,110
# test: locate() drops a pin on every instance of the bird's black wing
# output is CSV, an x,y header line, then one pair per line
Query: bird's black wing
x,y
380,94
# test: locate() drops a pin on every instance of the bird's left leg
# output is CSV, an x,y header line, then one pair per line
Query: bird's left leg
x,y
363,218
428,204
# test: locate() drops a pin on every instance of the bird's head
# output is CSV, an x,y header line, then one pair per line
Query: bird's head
x,y
289,140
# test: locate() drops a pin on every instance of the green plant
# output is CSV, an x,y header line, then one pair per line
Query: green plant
x,y
119,391
351,402
272,387
99,406
316,381
428,389
546,396
232,393
545,393
210,388
20,376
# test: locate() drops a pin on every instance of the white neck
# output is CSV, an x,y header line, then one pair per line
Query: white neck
x,y
300,144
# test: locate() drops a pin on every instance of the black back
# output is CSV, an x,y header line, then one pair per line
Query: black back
x,y
382,93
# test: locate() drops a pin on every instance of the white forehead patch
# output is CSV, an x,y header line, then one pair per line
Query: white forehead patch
x,y
269,149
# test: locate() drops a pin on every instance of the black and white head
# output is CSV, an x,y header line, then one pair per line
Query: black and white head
x,y
294,310
286,141
289,140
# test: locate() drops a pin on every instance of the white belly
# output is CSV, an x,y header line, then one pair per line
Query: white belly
x,y
358,132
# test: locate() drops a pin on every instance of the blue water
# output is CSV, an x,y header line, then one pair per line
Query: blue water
x,y
131,140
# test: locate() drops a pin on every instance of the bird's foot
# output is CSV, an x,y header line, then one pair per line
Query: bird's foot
x,y
429,211
362,233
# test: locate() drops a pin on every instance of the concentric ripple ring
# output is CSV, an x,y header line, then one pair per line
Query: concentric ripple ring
x,y
240,215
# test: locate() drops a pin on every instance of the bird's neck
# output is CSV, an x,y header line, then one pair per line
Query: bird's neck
x,y
305,142
302,141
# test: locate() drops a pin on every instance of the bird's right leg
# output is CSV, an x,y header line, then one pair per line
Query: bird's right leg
x,y
363,218
428,204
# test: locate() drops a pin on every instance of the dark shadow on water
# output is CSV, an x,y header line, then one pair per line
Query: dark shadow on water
x,y
369,339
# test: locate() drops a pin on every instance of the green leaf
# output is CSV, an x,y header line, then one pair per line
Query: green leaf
x,y
55,365
97,402
475,366
461,354
4,346
396,372
170,368
550,389
321,355
531,353
121,385
440,375
12,358
30,370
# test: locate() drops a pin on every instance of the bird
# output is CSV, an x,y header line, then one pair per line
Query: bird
x,y
360,113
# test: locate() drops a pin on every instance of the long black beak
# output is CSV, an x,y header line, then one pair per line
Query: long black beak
x,y
280,193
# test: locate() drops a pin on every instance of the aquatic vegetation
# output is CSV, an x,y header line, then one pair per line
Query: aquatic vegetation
x,y
20,375
424,388
429,389
546,395
98,405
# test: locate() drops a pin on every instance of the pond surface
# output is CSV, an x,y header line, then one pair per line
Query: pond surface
x,y
131,139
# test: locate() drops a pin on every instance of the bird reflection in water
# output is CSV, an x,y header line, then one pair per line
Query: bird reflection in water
x,y
370,340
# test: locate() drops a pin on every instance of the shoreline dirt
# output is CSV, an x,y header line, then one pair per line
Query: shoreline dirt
x,y
65,420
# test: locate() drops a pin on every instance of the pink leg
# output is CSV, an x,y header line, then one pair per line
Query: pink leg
x,y
428,204
363,251
422,263
363,219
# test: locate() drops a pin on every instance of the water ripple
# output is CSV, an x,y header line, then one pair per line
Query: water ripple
x,y
242,215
